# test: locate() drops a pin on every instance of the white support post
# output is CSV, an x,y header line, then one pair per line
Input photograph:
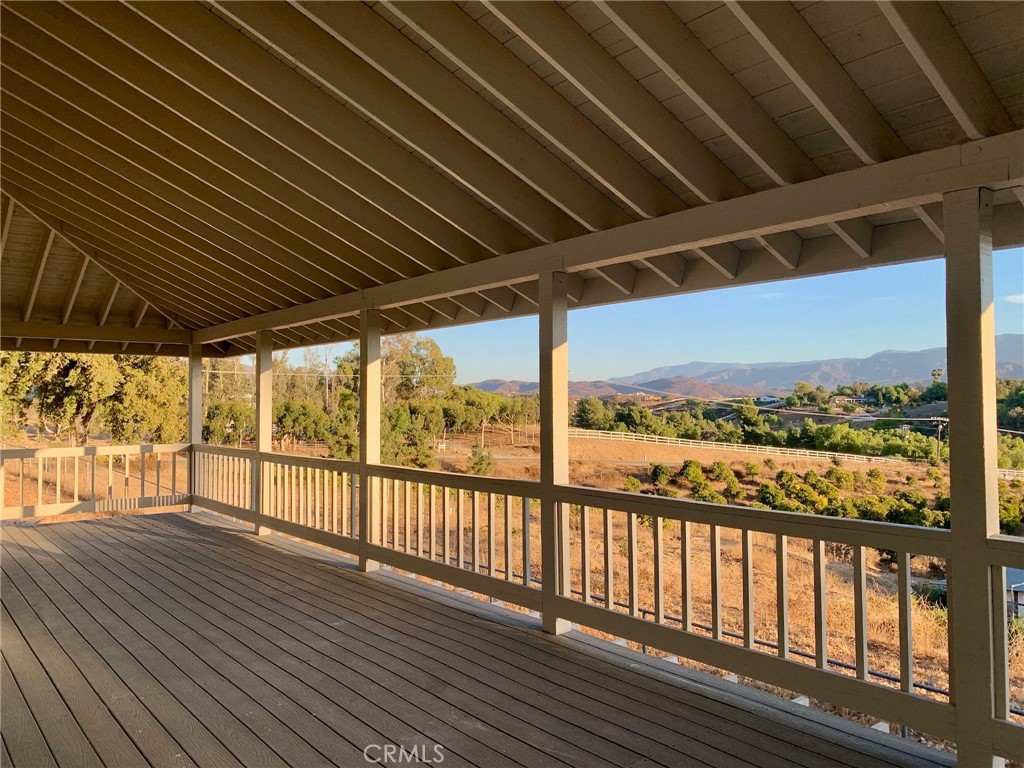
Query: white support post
x,y
974,499
195,414
369,429
554,442
264,422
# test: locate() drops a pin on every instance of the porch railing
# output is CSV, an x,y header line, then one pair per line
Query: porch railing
x,y
712,583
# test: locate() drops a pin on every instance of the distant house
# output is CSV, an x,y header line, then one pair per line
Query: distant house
x,y
1015,591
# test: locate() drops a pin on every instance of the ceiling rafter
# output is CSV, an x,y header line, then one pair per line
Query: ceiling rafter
x,y
352,79
51,331
152,90
378,42
75,211
74,287
106,306
37,275
499,70
784,246
670,267
622,276
444,215
935,45
172,239
805,59
5,227
553,34
118,260
667,41
856,233
725,257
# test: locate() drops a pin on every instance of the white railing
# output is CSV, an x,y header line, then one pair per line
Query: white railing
x,y
783,598
38,482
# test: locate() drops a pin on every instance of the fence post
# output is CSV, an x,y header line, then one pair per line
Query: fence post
x,y
369,429
973,486
264,423
554,445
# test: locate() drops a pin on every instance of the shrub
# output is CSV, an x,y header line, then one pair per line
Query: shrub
x,y
732,490
935,476
840,478
631,484
720,471
751,468
771,495
876,480
770,464
480,462
660,474
692,471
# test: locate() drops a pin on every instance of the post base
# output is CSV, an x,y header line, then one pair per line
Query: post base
x,y
554,625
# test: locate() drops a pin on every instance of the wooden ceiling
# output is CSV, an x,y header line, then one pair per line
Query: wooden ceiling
x,y
177,167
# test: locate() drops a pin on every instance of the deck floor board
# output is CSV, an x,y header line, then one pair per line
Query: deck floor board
x,y
172,640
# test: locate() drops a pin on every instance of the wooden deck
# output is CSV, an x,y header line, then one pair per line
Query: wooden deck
x,y
173,640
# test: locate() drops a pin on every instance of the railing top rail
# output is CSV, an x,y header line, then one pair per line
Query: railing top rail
x,y
903,538
7,454
223,450
527,488
316,462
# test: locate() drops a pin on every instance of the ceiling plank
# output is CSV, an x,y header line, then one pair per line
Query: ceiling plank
x,y
553,34
37,275
667,41
784,246
938,50
725,257
499,70
353,80
74,287
793,45
376,41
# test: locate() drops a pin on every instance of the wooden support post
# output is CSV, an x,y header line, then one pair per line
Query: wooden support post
x,y
195,415
554,442
974,501
369,429
264,422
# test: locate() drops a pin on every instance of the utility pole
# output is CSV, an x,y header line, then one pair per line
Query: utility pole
x,y
938,439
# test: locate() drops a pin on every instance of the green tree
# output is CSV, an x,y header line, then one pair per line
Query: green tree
x,y
481,462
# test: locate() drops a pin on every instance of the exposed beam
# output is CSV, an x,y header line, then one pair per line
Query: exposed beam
x,y
46,330
137,315
931,215
494,66
444,307
553,34
74,287
5,227
670,267
996,162
393,176
502,297
471,302
725,257
937,48
784,246
378,42
574,287
108,302
37,275
805,59
856,233
667,41
97,347
352,79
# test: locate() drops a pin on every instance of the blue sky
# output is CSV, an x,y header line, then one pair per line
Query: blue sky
x,y
854,314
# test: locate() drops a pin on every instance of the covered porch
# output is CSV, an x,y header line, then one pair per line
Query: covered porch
x,y
220,179
177,639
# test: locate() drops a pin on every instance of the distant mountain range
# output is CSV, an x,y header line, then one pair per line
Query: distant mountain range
x,y
713,380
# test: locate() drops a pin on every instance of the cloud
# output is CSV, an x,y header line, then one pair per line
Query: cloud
x,y
1014,298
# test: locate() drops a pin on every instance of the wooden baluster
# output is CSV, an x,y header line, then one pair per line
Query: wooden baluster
x,y
716,582
782,593
860,611
127,469
407,514
432,522
445,525
491,570
158,484
142,475
419,519
999,657
110,476
685,583
394,514
460,525
904,586
59,461
747,554
353,505
585,552
318,521
21,483
609,560
174,474
346,523
527,560
508,539
659,579
335,520
634,571
820,606
76,479
475,530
